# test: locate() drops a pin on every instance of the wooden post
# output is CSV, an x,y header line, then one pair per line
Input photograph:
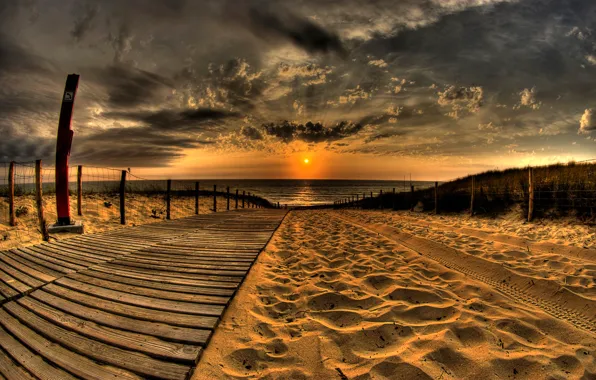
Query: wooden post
x,y
122,198
197,198
436,198
228,198
249,203
168,199
472,197
393,199
39,201
214,198
80,190
243,197
236,199
380,199
412,198
11,208
530,195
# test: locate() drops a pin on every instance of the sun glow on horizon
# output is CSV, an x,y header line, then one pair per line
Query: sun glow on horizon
x,y
306,160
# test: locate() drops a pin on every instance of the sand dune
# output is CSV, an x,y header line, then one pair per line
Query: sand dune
x,y
333,298
96,217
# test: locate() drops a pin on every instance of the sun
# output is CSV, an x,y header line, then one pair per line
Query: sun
x,y
306,160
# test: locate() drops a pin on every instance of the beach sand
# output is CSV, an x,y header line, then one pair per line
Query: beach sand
x,y
371,295
97,214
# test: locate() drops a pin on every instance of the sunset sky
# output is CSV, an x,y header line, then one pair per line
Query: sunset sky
x,y
249,89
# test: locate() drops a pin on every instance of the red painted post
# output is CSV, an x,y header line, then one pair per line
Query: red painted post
x,y
64,142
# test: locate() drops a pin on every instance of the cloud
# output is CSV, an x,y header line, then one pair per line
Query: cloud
x,y
129,87
269,21
311,132
121,42
175,120
587,123
135,146
251,133
462,100
378,63
528,99
84,22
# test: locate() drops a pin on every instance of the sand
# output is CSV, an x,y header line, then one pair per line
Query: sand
x,y
369,295
101,212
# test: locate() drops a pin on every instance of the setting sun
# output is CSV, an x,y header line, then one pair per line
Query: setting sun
x,y
306,161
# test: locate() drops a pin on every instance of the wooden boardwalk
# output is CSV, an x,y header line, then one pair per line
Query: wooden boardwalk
x,y
131,303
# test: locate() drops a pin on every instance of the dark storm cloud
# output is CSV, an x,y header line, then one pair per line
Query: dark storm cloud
x,y
271,21
252,133
172,120
129,87
84,21
135,146
14,59
22,147
311,132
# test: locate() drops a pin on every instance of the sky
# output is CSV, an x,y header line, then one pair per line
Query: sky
x,y
364,89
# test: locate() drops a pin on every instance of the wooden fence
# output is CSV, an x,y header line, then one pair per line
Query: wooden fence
x,y
241,201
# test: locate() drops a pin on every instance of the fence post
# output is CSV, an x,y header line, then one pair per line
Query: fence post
x,y
236,199
531,195
39,201
168,199
11,209
472,198
412,205
228,198
243,197
197,198
80,190
249,204
393,199
122,198
381,199
436,197
214,198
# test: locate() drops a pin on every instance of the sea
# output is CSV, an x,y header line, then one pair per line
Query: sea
x,y
286,192
311,192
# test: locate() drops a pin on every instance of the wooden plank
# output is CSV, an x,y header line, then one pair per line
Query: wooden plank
x,y
78,253
117,337
72,245
194,336
150,282
28,267
13,282
212,267
137,300
62,256
21,276
29,361
128,360
46,262
219,275
177,319
190,276
6,292
188,259
149,292
76,364
12,370
163,279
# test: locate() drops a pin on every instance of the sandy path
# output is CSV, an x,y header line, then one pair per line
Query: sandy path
x,y
540,259
329,298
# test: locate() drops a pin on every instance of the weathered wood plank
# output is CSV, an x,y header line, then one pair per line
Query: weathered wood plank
x,y
143,301
10,369
193,336
128,360
74,363
148,292
31,362
177,319
117,337
149,282
41,273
